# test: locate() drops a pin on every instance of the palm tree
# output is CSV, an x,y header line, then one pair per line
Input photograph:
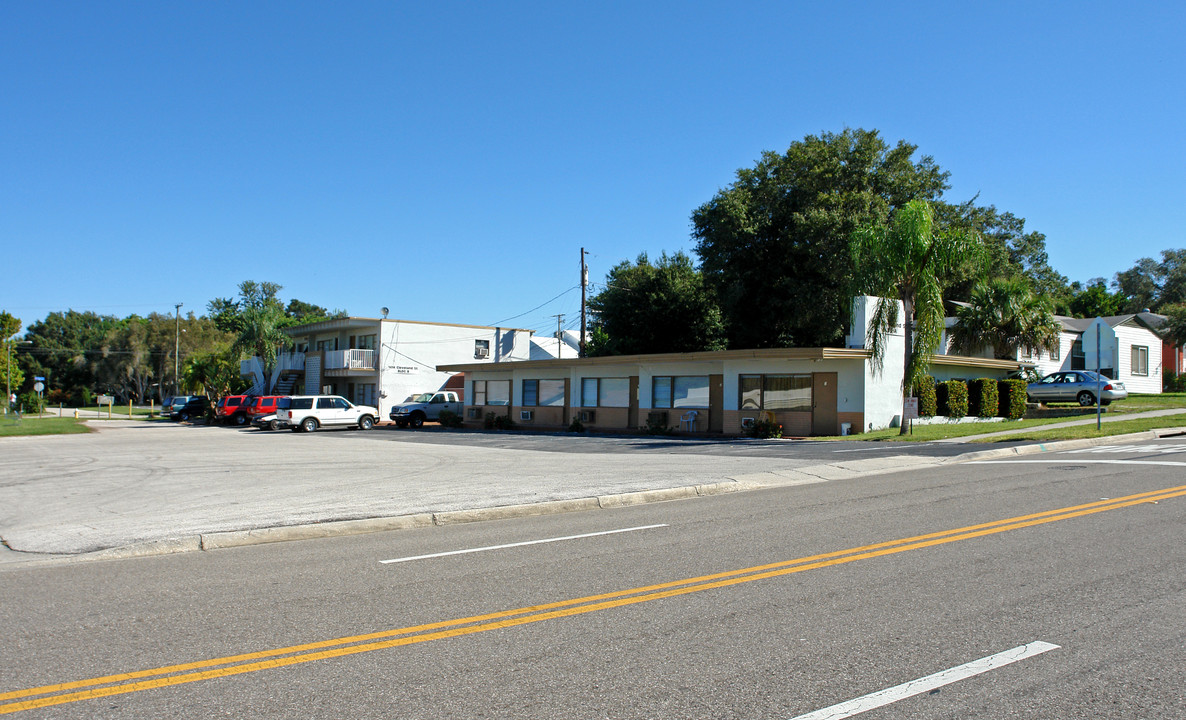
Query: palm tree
x,y
1004,314
261,318
904,262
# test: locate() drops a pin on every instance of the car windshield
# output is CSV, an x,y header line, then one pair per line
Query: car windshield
x,y
422,397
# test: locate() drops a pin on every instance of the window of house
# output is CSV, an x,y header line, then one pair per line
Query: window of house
x,y
543,393
1056,353
481,348
364,394
1078,357
365,342
1140,360
498,392
775,392
479,392
605,392
331,344
679,391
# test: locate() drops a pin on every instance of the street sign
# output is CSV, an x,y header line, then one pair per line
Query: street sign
x,y
38,386
38,378
106,399
910,409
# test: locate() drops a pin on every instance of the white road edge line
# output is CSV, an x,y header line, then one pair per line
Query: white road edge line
x,y
520,544
1078,461
928,683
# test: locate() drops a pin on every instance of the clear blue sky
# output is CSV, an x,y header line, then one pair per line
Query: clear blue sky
x,y
449,160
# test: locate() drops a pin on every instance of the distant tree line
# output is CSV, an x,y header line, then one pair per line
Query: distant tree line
x,y
135,358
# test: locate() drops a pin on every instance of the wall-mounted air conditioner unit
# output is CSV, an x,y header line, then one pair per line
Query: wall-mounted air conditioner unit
x,y
747,423
526,415
474,413
481,353
588,416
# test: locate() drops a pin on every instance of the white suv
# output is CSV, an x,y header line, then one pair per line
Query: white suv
x,y
309,412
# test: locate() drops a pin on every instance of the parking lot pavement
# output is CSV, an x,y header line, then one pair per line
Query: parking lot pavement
x,y
138,483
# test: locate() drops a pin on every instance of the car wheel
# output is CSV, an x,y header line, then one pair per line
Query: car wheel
x,y
365,422
309,425
274,425
417,419
183,417
240,419
1086,398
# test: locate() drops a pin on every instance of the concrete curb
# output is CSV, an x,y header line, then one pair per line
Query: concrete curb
x,y
756,481
339,528
1062,445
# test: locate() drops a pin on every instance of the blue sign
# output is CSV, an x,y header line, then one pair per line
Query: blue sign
x,y
39,379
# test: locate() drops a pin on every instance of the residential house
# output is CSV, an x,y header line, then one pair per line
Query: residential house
x,y
810,391
380,362
1131,349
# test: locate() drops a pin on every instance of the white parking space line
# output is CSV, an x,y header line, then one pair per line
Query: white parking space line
x,y
1151,449
521,544
882,698
1078,461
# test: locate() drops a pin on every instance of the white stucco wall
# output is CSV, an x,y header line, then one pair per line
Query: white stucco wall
x,y
882,387
409,353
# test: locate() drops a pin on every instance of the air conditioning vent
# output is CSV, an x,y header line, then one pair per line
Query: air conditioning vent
x,y
474,413
588,416
747,423
526,415
481,353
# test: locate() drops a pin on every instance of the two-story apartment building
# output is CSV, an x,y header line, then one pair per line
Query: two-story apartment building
x,y
379,361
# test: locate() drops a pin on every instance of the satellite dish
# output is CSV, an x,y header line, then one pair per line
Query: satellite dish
x,y
384,311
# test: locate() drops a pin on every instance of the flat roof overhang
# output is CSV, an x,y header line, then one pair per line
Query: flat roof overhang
x,y
707,355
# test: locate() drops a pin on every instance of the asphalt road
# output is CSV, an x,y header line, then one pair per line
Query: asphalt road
x,y
765,604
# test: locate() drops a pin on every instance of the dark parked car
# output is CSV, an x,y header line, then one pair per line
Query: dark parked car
x,y
195,406
1078,386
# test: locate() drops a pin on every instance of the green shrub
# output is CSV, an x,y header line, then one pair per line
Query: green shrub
x,y
30,402
1011,396
450,419
87,397
498,422
576,426
982,398
657,427
764,429
1173,382
953,397
928,403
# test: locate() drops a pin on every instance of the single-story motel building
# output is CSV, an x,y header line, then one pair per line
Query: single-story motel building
x,y
809,391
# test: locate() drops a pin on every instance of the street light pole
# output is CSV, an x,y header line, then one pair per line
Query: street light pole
x,y
177,349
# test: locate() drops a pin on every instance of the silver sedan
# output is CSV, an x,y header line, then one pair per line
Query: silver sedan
x,y
1078,386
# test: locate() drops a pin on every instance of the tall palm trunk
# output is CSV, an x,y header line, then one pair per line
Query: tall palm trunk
x,y
908,360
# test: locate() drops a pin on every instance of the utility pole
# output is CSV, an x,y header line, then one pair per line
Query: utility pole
x,y
177,349
559,335
584,285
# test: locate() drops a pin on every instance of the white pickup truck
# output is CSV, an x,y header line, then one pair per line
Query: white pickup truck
x,y
425,406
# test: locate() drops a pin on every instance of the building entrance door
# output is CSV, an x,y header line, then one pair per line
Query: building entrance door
x,y
824,416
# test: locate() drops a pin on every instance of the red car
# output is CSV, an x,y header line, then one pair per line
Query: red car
x,y
261,407
233,409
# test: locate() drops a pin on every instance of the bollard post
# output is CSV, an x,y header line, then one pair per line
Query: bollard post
x,y
129,409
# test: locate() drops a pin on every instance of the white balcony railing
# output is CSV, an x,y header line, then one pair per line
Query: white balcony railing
x,y
350,360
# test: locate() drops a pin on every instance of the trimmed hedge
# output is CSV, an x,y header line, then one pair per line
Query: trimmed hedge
x,y
1011,397
982,398
924,390
952,398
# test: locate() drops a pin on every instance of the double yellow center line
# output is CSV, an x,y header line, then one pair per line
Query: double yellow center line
x,y
47,695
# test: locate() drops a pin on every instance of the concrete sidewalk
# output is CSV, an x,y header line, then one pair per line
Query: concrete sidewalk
x,y
1068,423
